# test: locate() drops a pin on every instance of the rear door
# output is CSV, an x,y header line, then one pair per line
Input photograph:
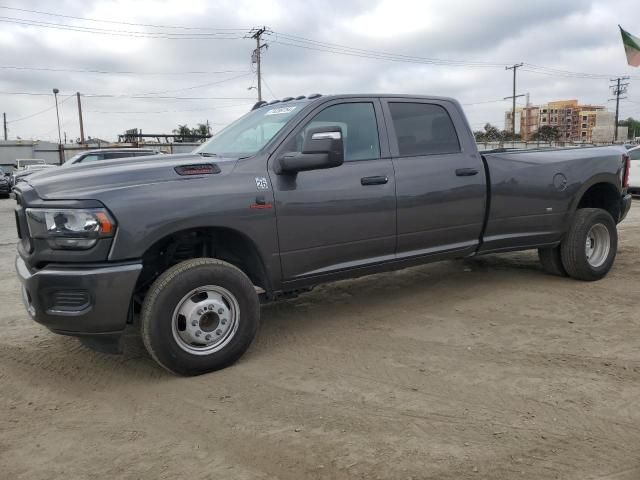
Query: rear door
x,y
440,179
338,218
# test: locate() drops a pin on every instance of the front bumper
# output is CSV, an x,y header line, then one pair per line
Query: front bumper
x,y
625,206
5,189
92,300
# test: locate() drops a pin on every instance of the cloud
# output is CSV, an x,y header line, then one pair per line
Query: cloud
x,y
575,35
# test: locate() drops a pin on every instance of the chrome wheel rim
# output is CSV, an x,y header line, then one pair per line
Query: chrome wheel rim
x,y
598,244
205,320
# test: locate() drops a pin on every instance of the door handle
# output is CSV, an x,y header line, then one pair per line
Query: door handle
x,y
378,180
466,172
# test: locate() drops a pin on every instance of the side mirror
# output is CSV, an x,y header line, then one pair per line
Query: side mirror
x,y
322,148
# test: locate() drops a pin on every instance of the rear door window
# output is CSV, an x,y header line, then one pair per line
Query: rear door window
x,y
635,155
423,129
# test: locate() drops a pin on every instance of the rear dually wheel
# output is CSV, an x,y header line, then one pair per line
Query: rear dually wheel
x,y
590,246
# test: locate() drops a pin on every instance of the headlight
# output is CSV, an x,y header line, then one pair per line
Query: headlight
x,y
70,229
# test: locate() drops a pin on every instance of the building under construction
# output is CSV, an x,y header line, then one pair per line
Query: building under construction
x,y
575,122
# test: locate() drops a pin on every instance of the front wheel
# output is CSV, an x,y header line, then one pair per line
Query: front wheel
x,y
200,315
590,247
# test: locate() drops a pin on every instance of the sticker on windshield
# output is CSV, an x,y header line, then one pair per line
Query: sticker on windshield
x,y
280,111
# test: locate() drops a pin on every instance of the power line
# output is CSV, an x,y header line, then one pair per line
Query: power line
x,y
484,102
203,85
305,43
529,67
112,72
264,80
288,40
212,108
121,33
136,96
416,60
182,27
346,49
40,112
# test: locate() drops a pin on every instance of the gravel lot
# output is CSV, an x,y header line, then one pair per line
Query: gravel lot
x,y
469,369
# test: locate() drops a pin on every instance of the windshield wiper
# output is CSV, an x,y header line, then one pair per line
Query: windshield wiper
x,y
207,154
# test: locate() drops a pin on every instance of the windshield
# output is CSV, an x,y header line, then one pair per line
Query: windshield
x,y
75,157
250,133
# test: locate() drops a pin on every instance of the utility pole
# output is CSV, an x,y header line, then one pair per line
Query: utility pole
x,y
80,118
618,89
257,33
60,151
4,121
514,96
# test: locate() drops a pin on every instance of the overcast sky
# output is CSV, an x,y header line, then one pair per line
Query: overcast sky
x,y
571,35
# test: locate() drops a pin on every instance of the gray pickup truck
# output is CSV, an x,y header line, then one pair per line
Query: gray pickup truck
x,y
296,193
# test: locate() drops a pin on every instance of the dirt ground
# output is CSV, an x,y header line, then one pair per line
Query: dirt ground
x,y
469,369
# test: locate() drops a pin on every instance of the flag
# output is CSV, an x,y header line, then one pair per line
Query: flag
x,y
631,47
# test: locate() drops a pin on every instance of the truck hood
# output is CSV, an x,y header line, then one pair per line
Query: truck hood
x,y
86,181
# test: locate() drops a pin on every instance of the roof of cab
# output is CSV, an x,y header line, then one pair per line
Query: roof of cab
x,y
317,97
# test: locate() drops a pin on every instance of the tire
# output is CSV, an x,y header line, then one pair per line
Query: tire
x,y
195,291
551,260
596,226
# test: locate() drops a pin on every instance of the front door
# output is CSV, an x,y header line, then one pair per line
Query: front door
x,y
440,179
338,218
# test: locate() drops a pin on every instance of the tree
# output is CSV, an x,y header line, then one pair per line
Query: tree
x,y
202,129
185,134
490,134
510,137
547,133
633,125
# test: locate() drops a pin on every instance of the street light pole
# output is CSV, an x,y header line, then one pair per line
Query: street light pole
x,y
55,95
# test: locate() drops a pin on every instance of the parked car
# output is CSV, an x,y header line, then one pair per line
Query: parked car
x,y
28,170
23,163
90,156
634,175
294,194
5,185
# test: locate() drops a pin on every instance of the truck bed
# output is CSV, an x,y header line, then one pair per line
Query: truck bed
x,y
532,192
